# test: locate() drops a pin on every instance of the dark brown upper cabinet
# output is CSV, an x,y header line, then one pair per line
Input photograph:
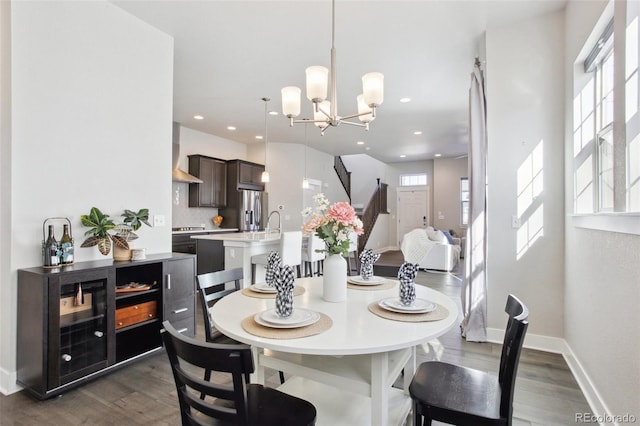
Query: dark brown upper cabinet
x,y
212,192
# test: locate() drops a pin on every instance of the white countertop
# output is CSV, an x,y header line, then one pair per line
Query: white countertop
x,y
245,237
203,231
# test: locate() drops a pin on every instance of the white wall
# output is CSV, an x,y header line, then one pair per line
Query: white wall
x,y
98,83
7,287
286,165
602,319
524,104
446,193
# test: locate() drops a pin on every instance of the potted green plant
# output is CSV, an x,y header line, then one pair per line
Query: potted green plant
x,y
104,232
100,224
126,232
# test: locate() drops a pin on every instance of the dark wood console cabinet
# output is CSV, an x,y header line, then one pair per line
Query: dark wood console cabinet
x,y
212,192
67,329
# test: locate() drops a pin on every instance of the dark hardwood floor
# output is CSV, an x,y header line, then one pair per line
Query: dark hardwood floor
x,y
143,393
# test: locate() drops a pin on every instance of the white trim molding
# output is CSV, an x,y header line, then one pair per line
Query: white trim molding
x,y
560,346
625,223
8,383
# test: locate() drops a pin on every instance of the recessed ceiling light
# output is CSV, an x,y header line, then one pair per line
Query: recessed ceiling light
x,y
259,137
231,128
198,117
417,132
437,155
405,100
360,142
273,112
402,155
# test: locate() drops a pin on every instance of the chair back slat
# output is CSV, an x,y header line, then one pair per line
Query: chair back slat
x,y
291,248
188,357
211,289
516,329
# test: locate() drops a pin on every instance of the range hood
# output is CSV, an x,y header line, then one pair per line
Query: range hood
x,y
177,174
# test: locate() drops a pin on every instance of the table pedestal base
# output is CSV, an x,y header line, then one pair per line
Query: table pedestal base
x,y
340,408
340,381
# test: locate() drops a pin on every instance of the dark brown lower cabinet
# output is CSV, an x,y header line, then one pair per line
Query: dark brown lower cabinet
x,y
81,321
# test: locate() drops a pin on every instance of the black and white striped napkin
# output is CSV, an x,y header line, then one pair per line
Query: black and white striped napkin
x,y
367,259
407,276
284,287
273,267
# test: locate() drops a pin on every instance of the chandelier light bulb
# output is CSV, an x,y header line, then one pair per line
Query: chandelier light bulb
x,y
317,80
291,101
363,108
373,88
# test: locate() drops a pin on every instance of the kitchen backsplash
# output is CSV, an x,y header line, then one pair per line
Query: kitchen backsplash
x,y
183,215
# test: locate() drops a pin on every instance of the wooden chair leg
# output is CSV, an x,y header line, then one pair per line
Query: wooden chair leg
x,y
417,418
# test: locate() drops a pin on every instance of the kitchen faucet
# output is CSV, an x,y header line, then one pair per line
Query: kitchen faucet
x,y
267,229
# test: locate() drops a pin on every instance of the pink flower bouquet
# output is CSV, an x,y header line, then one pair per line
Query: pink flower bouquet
x,y
332,224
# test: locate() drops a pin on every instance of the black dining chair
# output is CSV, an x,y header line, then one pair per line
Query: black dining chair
x,y
238,402
211,288
464,396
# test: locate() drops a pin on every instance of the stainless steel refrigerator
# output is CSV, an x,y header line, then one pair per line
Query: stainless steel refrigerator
x,y
245,210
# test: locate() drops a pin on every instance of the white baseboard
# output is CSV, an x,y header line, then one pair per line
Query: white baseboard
x,y
560,346
8,383
531,341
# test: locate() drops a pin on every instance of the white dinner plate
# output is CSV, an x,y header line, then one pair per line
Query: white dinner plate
x,y
419,306
299,318
371,281
263,288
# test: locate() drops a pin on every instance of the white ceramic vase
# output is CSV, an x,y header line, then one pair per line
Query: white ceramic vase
x,y
334,279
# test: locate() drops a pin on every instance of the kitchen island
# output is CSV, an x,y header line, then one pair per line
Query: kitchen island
x,y
240,246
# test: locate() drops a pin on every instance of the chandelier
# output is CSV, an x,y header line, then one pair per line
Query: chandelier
x,y
325,111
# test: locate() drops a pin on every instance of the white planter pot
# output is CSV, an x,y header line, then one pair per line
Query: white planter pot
x,y
334,280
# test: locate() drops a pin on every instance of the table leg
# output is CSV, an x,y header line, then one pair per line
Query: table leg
x,y
258,375
409,370
379,389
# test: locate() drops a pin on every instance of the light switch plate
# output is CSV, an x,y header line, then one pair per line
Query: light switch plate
x,y
158,220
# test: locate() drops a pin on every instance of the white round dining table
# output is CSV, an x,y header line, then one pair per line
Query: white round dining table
x,y
348,370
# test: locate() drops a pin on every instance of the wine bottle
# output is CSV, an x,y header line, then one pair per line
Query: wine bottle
x,y
79,300
51,250
66,246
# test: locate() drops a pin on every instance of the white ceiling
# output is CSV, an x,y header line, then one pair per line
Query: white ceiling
x,y
230,54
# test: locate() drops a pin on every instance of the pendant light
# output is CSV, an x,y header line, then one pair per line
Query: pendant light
x,y
265,175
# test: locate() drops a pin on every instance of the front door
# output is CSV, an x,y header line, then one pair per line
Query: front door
x,y
412,211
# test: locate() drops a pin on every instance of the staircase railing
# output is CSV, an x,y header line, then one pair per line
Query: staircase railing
x,y
343,174
377,205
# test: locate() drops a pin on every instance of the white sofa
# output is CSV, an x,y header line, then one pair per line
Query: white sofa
x,y
440,254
